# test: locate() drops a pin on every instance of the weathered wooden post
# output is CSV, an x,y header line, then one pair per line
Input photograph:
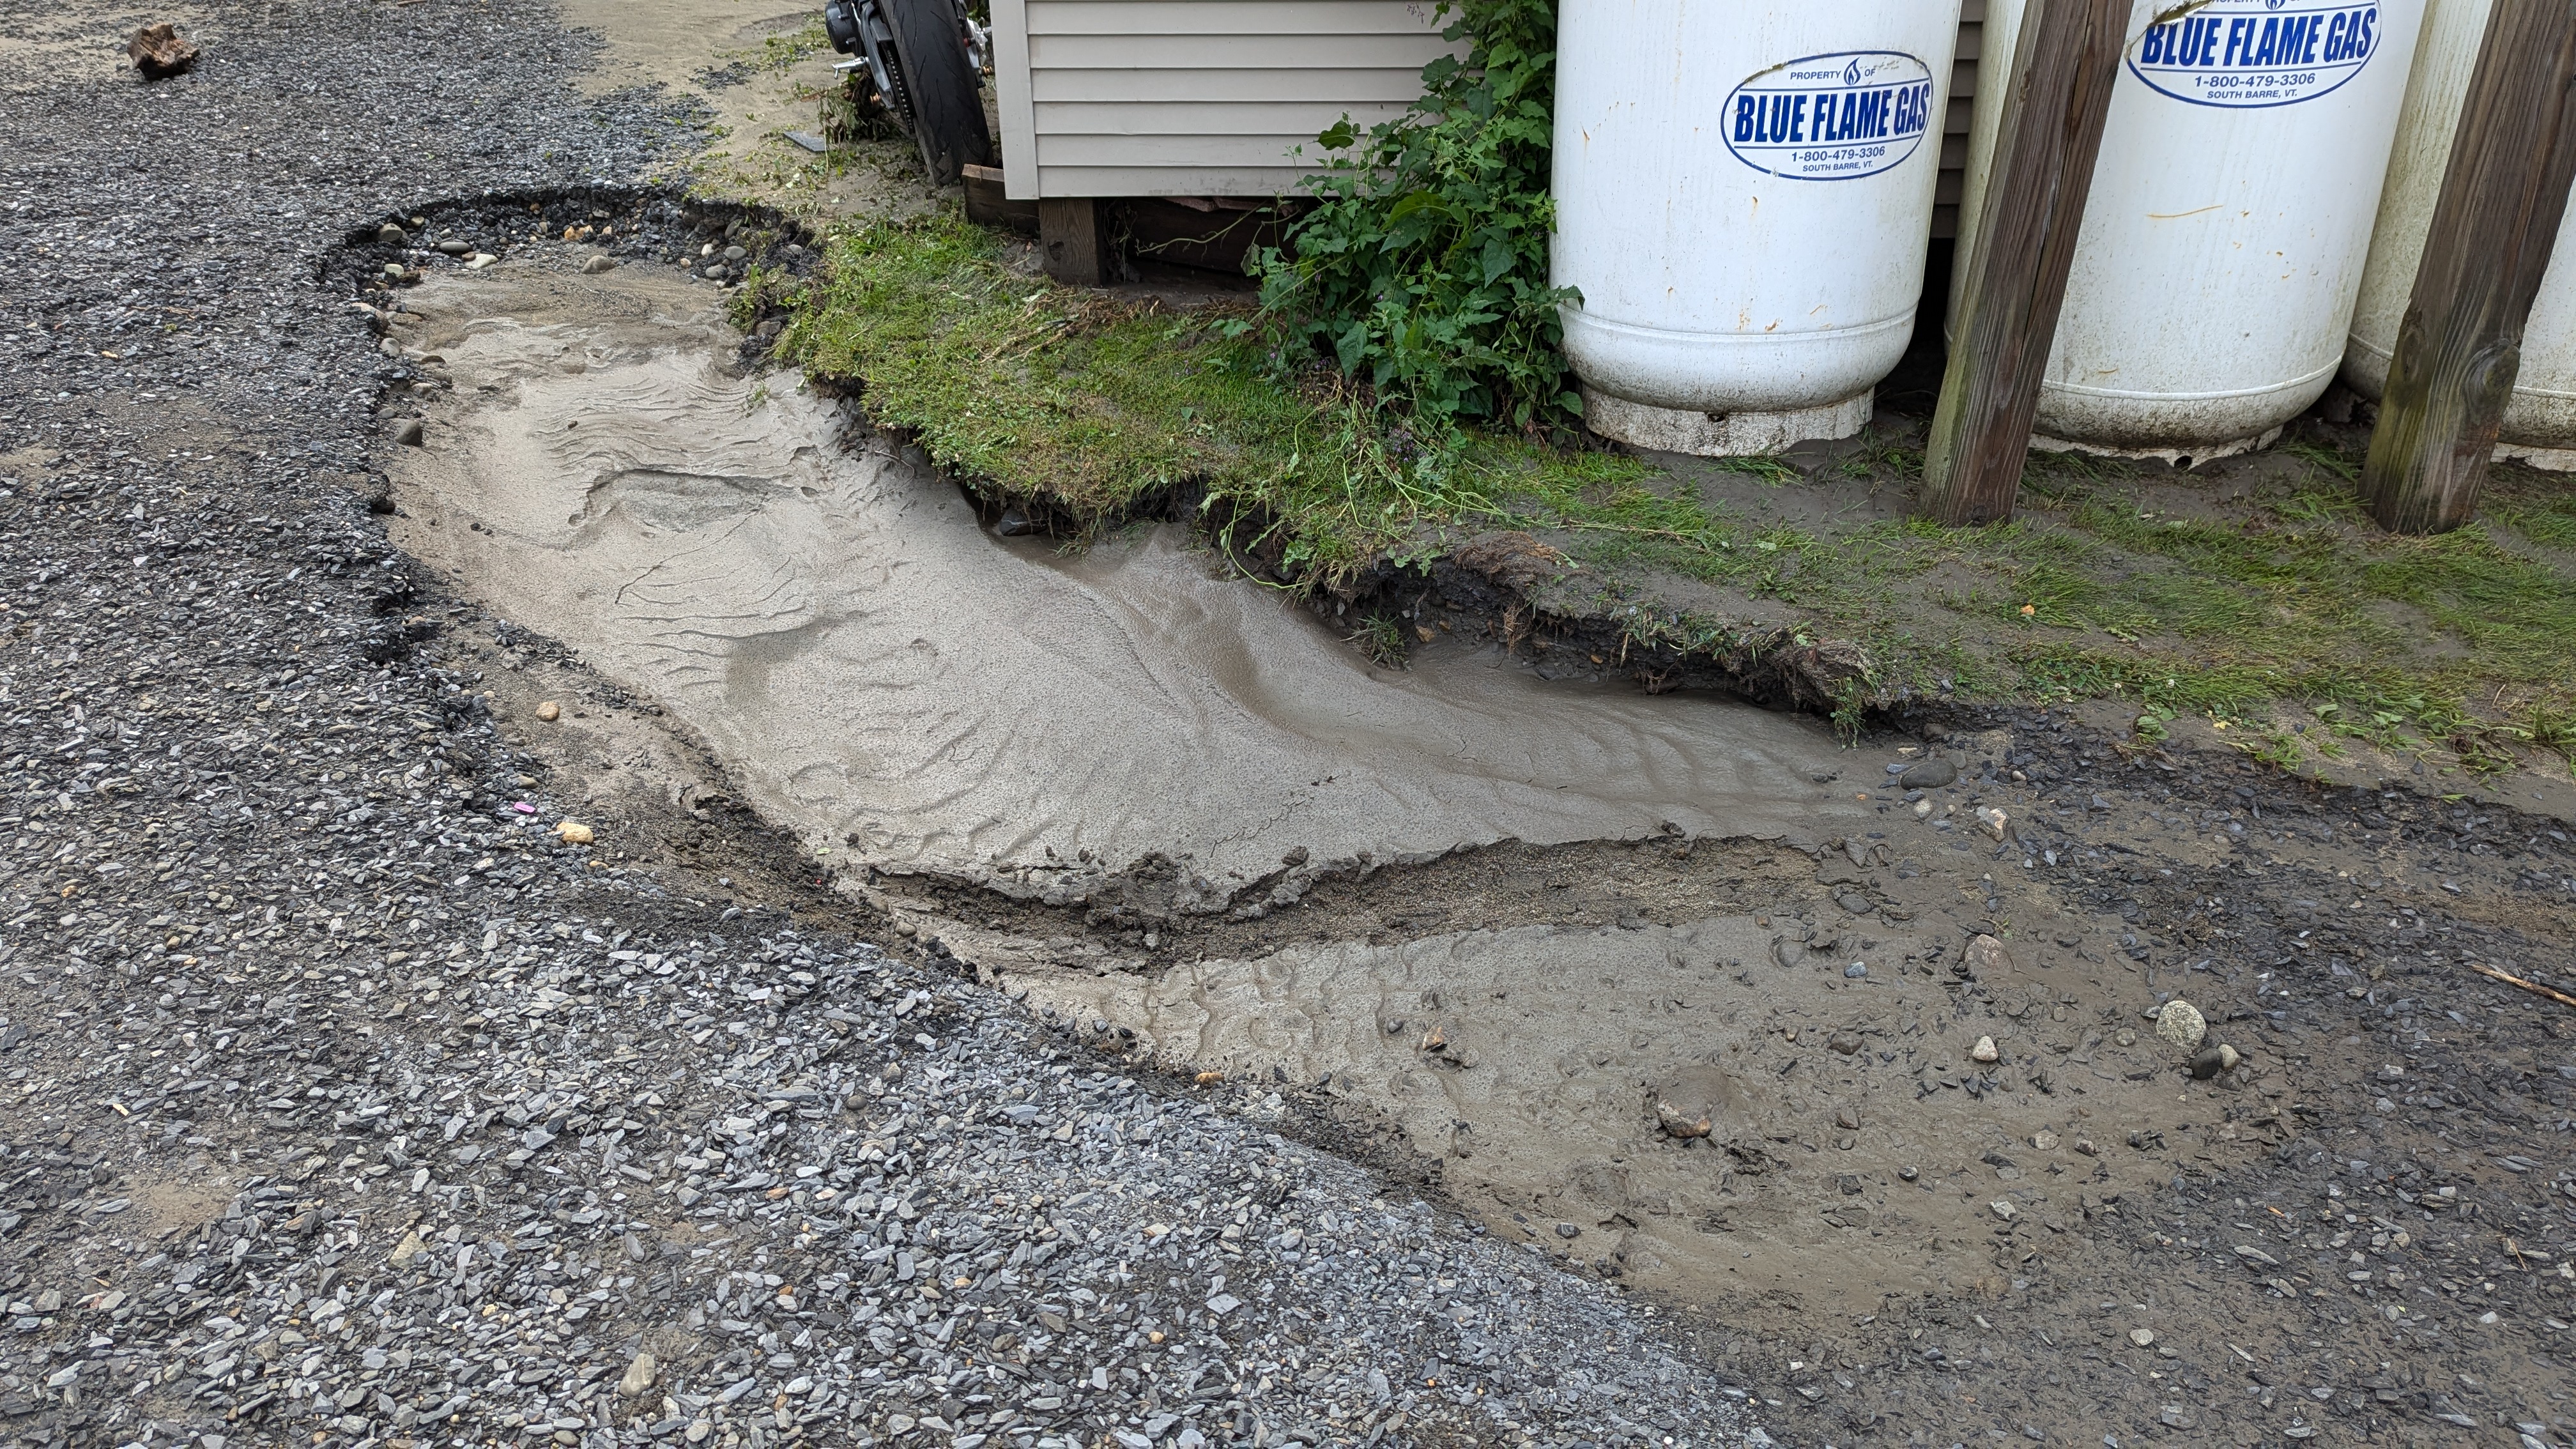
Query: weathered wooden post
x,y
2460,347
2063,69
1073,241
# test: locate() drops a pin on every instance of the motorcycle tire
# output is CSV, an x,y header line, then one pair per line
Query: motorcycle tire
x,y
943,99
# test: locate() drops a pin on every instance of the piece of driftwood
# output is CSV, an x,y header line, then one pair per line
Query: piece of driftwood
x,y
2534,987
159,52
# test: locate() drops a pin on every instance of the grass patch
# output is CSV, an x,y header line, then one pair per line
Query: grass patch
x,y
2467,639
1097,404
782,52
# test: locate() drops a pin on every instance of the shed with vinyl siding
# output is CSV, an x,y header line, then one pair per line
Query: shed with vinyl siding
x,y
1193,97
1209,98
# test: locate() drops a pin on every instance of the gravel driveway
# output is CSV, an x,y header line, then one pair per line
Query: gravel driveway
x,y
346,1099
345,1103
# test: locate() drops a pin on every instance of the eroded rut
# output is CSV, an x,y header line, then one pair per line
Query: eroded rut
x,y
1500,922
915,694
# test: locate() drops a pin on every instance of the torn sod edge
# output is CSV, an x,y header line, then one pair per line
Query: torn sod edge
x,y
1488,577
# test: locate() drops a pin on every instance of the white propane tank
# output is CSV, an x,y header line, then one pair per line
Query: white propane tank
x,y
2229,219
2540,418
1744,198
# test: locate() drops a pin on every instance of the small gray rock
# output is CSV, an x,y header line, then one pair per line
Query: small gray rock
x,y
390,235
408,433
2181,1024
1689,1103
1929,774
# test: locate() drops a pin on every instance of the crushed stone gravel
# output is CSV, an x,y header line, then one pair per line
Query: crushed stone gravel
x,y
344,1102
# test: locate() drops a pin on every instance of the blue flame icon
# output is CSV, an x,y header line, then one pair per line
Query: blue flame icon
x,y
1851,74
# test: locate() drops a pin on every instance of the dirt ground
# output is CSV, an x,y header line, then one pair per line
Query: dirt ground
x,y
2360,1231
743,60
1735,1074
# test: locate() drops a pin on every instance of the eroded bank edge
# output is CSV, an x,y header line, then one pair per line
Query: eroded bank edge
x,y
1483,590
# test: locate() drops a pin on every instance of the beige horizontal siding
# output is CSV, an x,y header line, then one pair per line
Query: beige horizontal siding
x,y
1177,151
1228,17
1176,180
1230,51
1195,97
1965,69
1058,119
1392,86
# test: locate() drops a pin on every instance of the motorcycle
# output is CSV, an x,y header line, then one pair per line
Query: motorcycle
x,y
926,60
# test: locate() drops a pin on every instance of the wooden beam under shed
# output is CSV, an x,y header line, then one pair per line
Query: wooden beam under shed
x,y
1072,241
989,203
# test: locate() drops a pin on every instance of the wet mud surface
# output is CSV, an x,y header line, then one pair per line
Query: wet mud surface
x,y
344,1102
915,694
1881,1237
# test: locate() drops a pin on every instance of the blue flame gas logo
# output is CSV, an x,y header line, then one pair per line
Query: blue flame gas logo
x,y
2254,54
1835,117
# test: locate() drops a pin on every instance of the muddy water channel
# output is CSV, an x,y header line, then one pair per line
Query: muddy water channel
x,y
921,699
912,693
1670,987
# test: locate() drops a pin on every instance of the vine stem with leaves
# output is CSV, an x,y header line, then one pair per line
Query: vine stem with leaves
x,y
1422,267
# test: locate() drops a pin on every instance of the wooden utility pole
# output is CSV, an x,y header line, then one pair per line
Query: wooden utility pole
x,y
2493,227
2063,69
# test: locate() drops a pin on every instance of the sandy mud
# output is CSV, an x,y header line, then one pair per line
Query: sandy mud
x,y
1846,1119
912,693
1516,943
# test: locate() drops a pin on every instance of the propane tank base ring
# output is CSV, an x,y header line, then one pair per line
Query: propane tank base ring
x,y
2547,460
2532,412
2179,457
1721,435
